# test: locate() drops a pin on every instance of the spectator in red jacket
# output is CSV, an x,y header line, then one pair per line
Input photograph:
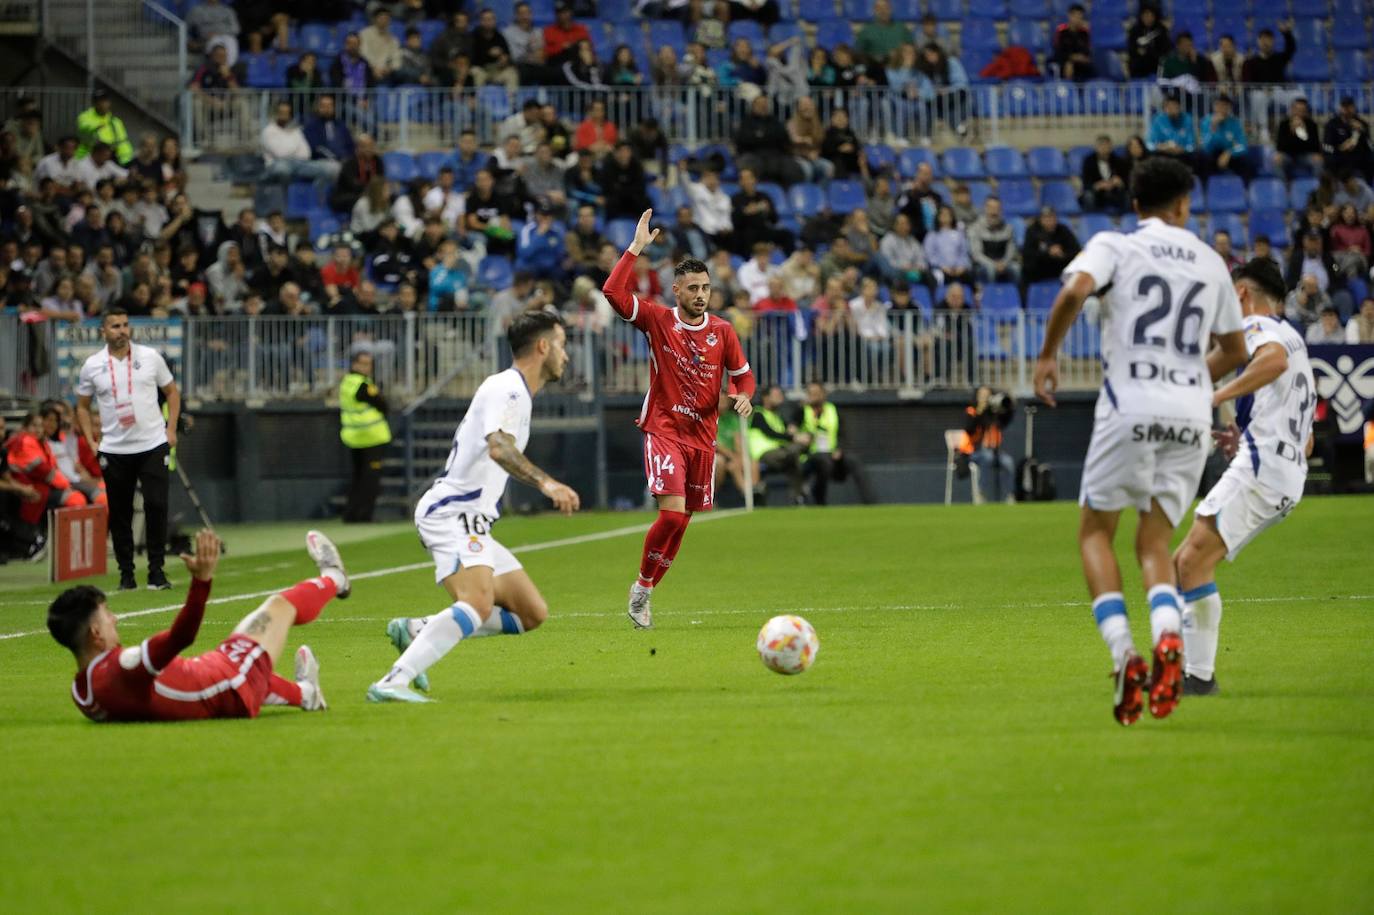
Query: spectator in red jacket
x,y
1073,49
341,271
562,36
32,463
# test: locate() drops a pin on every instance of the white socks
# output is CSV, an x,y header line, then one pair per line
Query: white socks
x,y
1110,612
440,633
500,622
1165,611
1201,630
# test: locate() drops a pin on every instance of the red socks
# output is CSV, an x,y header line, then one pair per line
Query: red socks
x,y
309,597
283,689
661,545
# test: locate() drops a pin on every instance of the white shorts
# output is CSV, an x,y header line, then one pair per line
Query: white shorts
x,y
463,539
1243,506
1133,459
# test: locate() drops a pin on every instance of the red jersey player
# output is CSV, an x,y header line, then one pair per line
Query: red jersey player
x,y
690,352
151,683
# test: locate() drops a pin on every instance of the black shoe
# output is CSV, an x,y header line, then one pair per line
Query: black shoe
x,y
157,581
1196,686
127,582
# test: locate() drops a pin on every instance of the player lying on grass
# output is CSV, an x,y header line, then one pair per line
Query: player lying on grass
x,y
1268,446
490,591
691,353
1164,293
151,682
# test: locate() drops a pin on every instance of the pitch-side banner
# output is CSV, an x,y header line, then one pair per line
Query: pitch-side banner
x,y
76,342
1345,378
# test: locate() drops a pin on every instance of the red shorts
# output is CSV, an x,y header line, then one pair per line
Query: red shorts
x,y
674,469
230,682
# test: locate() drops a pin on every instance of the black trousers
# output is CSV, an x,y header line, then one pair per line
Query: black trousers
x,y
366,483
822,467
124,473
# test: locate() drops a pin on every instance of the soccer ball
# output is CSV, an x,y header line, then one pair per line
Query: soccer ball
x,y
788,644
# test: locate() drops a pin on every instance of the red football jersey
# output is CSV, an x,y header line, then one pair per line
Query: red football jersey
x,y
686,363
207,686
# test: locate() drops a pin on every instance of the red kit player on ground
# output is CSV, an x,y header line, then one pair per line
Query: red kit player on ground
x,y
690,352
151,683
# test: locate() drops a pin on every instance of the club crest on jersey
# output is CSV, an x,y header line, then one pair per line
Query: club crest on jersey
x,y
711,338
474,545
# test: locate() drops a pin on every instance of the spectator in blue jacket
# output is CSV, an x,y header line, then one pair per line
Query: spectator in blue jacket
x,y
539,250
1223,141
328,138
468,162
1171,132
448,279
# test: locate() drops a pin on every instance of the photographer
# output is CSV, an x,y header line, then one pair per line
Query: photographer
x,y
988,415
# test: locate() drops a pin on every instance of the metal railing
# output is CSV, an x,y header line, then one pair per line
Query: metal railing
x,y
19,17
59,107
1017,113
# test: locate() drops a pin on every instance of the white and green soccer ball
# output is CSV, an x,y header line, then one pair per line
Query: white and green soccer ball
x,y
788,644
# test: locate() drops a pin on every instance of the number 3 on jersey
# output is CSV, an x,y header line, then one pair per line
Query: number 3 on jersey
x,y
1188,325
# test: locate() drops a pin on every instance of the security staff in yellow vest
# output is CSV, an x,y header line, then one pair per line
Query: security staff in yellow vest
x,y
776,444
362,414
98,124
827,459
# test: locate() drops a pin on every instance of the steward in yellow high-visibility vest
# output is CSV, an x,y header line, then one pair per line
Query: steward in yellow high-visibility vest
x,y
98,124
363,428
827,460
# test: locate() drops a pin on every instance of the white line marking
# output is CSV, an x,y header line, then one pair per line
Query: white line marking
x,y
411,567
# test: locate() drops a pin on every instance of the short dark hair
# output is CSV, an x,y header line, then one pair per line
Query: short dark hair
x,y
689,265
528,327
114,312
1158,182
1077,7
1264,273
69,614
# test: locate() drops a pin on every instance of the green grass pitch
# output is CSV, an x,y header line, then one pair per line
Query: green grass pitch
x,y
952,749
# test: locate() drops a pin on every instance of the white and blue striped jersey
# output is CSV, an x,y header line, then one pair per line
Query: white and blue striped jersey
x,y
1164,292
472,483
1276,421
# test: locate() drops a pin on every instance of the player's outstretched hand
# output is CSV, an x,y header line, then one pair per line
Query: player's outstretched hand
x,y
564,498
202,564
1228,440
644,236
742,405
1046,380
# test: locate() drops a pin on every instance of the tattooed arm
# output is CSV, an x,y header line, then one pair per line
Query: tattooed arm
x,y
503,450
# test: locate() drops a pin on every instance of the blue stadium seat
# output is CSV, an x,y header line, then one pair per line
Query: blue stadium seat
x,y
816,10
627,33
1004,162
963,163
428,163
751,32
1268,194
1040,296
778,195
974,60
620,232
429,30
1310,68
1232,224
1018,230
1299,191
978,191
399,166
909,159
920,294
1129,222
988,9
1023,99
781,31
301,198
1271,223
846,196
665,32
1084,340
322,224
1092,223
859,10
906,10
318,37
1001,298
979,33
1062,196
831,33
1310,33
1225,194
1198,202
1358,289
880,157
494,272
1349,33
807,199
1030,34
606,10
1231,22
1108,32
1353,64
1047,162
946,10
1018,197
1196,7
1030,9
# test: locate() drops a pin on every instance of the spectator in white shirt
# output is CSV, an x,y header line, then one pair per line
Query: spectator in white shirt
x,y
526,45
1327,329
288,156
711,208
902,260
62,167
100,165
870,312
445,200
380,48
754,273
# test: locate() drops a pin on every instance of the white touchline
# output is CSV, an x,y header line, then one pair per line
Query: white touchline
x,y
411,567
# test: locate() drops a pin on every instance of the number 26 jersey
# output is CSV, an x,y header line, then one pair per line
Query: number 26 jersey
x,y
1164,292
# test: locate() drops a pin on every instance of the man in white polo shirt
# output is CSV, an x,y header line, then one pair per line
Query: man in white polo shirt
x,y
133,440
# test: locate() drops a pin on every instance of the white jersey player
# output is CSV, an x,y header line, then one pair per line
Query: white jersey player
x,y
1164,295
490,591
1268,450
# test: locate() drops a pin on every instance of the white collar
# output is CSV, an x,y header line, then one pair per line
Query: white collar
x,y
705,320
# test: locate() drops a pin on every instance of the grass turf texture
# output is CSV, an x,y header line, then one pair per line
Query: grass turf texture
x,y
953,747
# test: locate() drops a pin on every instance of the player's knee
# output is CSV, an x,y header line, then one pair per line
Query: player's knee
x,y
534,614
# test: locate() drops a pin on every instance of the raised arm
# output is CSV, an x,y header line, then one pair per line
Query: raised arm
x,y
504,451
169,643
617,288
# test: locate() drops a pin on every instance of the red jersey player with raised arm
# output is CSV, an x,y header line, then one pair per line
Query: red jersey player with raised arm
x,y
151,682
690,353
